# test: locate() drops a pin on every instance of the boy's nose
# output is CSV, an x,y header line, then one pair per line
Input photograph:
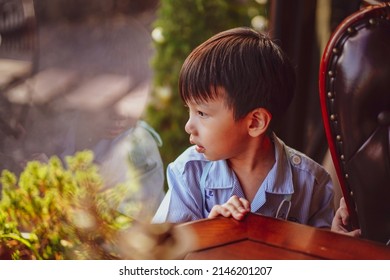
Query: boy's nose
x,y
189,127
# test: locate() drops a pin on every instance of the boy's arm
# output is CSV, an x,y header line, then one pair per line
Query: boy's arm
x,y
322,207
182,202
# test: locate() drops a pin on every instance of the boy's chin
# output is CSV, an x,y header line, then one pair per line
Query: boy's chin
x,y
113,133
210,157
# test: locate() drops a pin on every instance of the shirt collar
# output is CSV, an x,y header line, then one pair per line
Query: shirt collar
x,y
278,180
220,176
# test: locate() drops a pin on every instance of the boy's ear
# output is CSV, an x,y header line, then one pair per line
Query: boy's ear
x,y
258,121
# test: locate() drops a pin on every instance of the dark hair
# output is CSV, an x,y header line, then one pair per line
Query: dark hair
x,y
249,66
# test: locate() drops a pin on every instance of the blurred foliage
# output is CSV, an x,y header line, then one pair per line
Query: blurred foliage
x,y
57,10
52,212
180,26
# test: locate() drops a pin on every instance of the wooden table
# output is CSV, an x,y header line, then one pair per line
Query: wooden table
x,y
260,237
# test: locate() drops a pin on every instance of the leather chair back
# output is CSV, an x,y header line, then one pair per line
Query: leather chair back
x,y
355,101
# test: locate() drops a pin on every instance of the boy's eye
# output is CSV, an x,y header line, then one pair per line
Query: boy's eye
x,y
201,114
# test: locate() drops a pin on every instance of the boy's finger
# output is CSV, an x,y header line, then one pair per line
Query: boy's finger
x,y
239,203
342,203
219,210
245,204
238,212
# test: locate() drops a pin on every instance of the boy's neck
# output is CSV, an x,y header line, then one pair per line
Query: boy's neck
x,y
254,166
259,154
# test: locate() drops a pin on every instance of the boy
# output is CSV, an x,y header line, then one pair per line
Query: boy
x,y
234,85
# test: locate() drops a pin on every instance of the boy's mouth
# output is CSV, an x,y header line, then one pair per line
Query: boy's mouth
x,y
200,149
113,132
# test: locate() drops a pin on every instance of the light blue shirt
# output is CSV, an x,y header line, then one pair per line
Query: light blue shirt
x,y
196,185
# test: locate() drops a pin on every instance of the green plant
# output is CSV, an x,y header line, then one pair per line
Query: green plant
x,y
52,212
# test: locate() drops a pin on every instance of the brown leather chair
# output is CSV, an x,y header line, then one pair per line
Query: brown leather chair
x,y
355,101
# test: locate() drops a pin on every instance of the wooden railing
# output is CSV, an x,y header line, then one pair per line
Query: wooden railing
x,y
260,237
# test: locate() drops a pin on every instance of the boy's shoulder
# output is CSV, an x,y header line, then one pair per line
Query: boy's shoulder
x,y
303,164
301,161
144,132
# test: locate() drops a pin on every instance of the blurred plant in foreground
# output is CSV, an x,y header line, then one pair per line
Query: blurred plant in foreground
x,y
53,212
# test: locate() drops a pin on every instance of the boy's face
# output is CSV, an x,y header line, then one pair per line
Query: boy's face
x,y
214,131
108,123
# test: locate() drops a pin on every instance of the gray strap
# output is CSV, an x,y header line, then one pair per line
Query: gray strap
x,y
286,201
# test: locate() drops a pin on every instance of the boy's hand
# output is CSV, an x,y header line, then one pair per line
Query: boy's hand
x,y
340,223
235,207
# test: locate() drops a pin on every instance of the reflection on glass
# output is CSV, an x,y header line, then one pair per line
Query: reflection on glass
x,y
17,57
75,78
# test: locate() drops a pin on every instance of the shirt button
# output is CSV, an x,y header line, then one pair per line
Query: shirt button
x,y
296,159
